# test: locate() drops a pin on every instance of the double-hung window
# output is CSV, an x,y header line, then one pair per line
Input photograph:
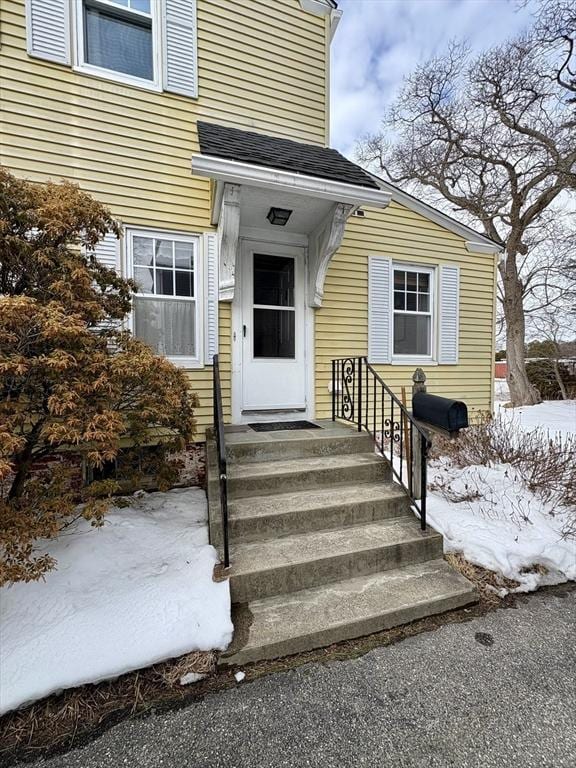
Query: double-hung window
x,y
119,38
168,305
413,312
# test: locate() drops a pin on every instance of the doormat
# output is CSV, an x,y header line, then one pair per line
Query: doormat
x,y
277,426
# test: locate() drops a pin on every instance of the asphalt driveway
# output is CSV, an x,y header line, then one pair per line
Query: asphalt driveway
x,y
498,691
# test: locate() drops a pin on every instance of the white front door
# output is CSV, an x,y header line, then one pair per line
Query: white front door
x,y
273,328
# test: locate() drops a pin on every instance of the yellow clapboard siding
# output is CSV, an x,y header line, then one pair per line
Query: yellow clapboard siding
x,y
341,326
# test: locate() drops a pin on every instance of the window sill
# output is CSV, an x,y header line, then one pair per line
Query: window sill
x,y
414,360
117,77
186,363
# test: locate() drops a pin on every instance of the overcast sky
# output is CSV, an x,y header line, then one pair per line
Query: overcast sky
x,y
380,41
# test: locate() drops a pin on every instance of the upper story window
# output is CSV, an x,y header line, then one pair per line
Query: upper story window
x,y
145,43
167,310
119,36
413,312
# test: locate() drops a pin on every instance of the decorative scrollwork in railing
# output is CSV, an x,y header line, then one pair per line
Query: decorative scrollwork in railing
x,y
392,430
360,396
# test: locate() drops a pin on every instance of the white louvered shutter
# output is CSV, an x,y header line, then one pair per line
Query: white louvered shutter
x,y
108,252
180,48
379,310
48,29
449,314
211,265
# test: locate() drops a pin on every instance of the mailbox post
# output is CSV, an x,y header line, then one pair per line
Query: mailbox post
x,y
418,385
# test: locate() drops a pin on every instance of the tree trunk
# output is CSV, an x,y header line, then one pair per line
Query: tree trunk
x,y
23,462
17,487
559,379
521,391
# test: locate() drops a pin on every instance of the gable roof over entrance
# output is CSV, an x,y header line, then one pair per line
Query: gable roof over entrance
x,y
283,154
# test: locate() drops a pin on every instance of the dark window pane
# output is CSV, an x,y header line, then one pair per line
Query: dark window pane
x,y
184,284
118,43
183,255
163,253
399,300
423,302
411,280
274,333
399,280
273,280
411,335
411,302
142,250
164,282
423,282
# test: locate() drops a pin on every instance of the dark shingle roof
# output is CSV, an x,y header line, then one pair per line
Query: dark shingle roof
x,y
283,154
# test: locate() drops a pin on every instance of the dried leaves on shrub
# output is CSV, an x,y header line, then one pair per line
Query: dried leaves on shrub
x,y
70,377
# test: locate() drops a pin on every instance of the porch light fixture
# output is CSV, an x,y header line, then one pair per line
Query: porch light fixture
x,y
279,216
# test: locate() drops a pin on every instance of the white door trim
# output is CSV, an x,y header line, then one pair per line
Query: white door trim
x,y
246,246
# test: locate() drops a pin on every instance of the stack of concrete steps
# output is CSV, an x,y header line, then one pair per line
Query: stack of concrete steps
x,y
323,545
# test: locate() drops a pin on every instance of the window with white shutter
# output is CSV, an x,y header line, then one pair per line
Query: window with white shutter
x,y
168,309
147,43
413,313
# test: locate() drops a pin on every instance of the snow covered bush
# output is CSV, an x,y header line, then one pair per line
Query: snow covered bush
x,y
533,461
504,497
70,377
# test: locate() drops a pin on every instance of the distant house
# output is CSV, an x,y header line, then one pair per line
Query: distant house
x,y
501,369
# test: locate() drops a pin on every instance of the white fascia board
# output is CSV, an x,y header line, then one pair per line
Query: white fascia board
x,y
221,169
474,247
474,239
335,17
319,7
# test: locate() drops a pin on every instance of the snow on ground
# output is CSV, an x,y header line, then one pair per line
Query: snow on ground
x,y
128,595
507,528
554,416
501,391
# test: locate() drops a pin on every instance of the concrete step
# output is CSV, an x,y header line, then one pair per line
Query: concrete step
x,y
282,514
349,608
267,477
291,563
283,445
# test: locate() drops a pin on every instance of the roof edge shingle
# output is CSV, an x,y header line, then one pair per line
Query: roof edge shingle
x,y
283,154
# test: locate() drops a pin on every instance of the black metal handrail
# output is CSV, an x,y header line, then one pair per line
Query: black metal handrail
x,y
221,451
361,397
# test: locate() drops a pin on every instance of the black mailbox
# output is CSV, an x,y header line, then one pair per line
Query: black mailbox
x,y
449,415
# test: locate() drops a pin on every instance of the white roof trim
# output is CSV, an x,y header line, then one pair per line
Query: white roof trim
x,y
221,169
482,247
476,243
319,7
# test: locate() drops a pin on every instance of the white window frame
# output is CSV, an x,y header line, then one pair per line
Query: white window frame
x,y
433,273
81,65
182,361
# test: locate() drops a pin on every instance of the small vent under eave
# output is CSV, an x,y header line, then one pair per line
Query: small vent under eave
x,y
359,213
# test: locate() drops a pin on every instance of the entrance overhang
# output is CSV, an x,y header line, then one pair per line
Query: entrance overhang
x,y
244,193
